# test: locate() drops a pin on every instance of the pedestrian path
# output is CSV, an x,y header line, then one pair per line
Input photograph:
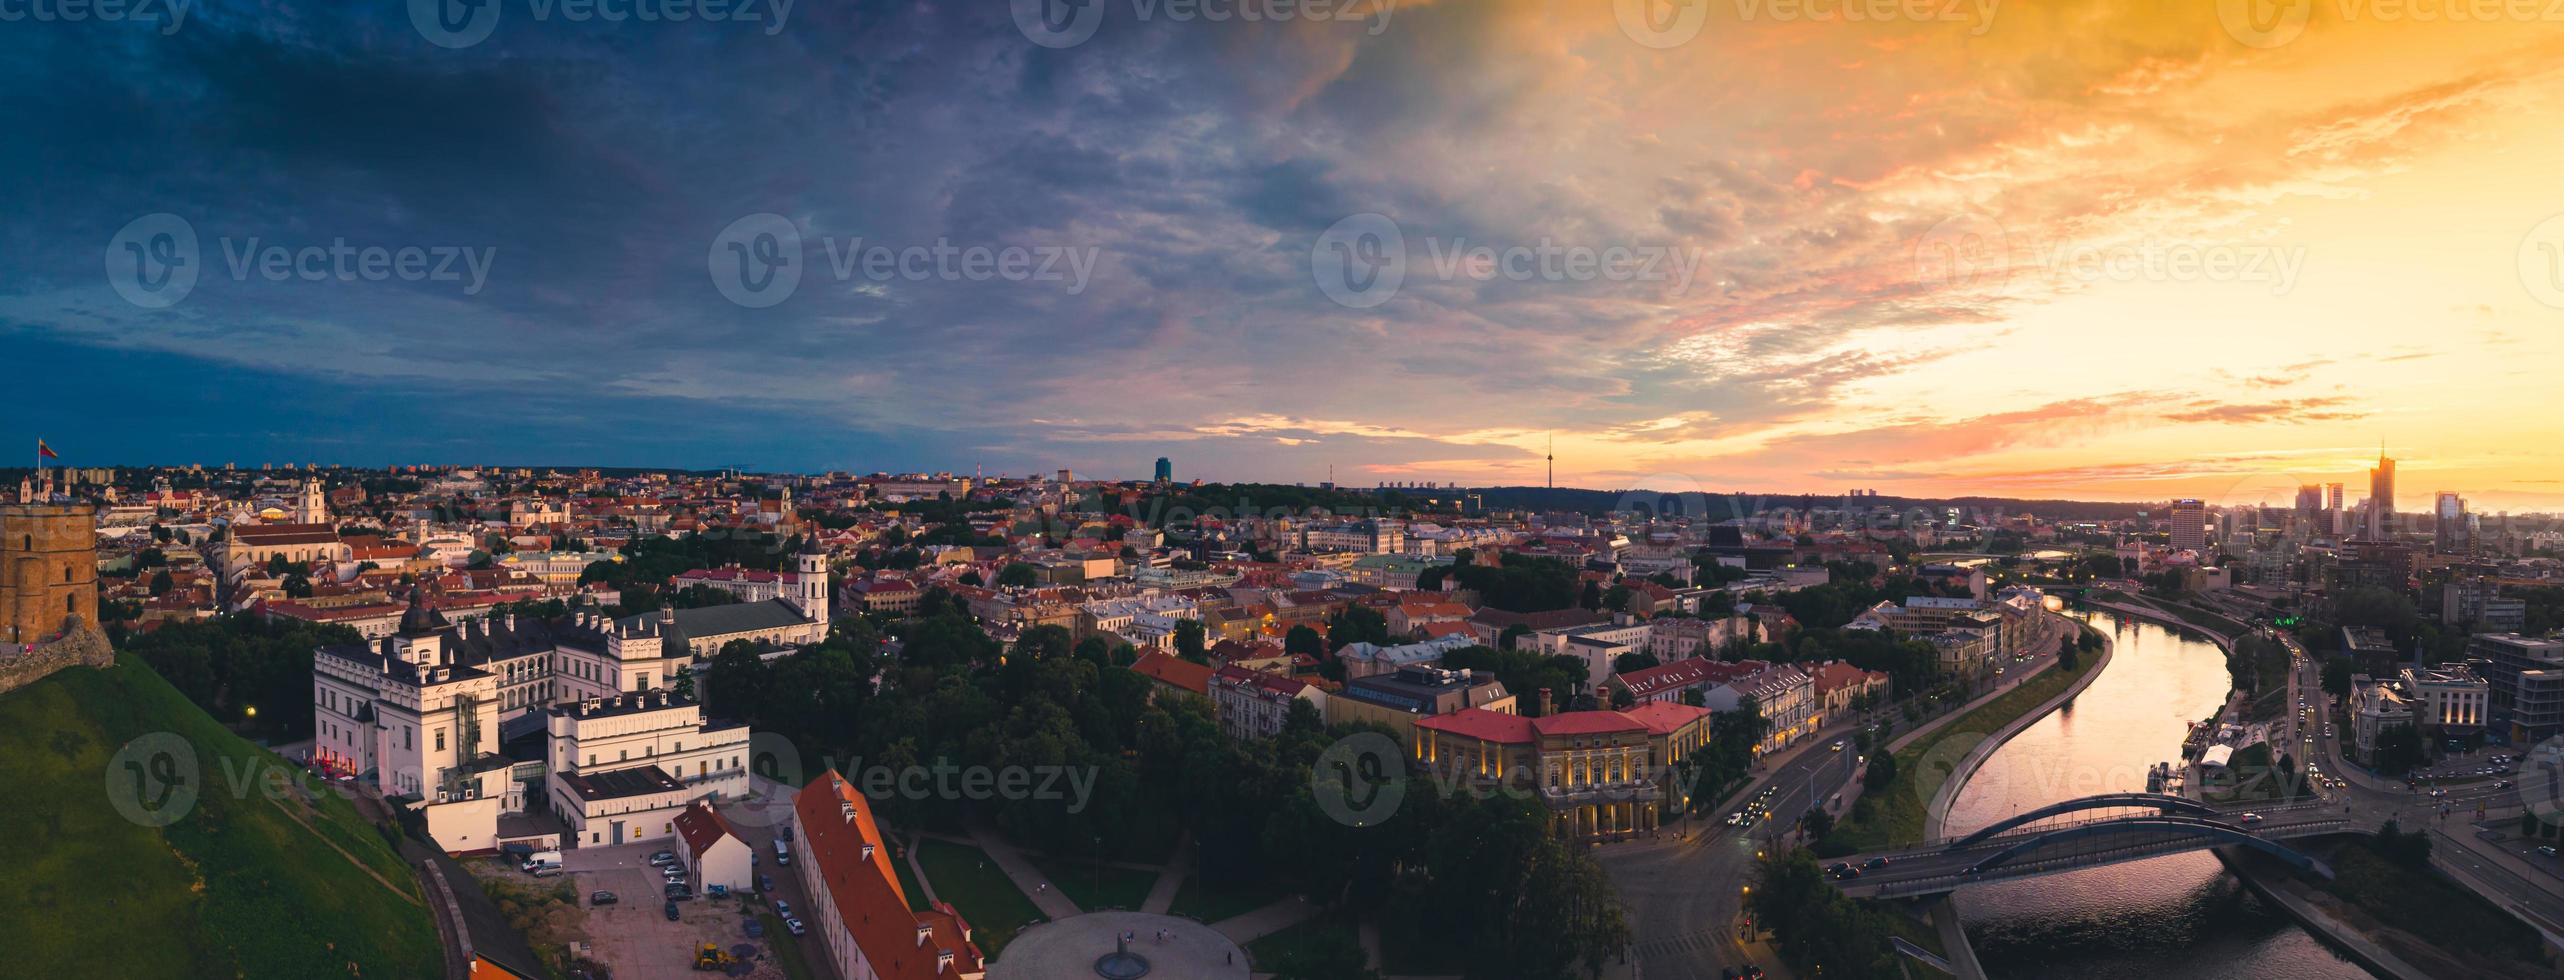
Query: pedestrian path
x,y
919,871
1027,878
1280,915
1161,896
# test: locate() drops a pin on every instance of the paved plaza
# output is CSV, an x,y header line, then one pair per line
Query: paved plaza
x,y
1066,949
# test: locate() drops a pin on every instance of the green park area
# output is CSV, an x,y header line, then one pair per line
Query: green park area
x,y
1892,814
964,876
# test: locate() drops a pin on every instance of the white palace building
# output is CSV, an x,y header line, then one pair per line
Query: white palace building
x,y
423,714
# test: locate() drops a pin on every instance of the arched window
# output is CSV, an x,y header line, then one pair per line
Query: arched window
x,y
68,603
66,574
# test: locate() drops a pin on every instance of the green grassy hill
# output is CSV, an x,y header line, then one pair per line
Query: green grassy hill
x,y
268,874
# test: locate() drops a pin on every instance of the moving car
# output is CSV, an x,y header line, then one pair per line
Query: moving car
x,y
2251,818
1875,863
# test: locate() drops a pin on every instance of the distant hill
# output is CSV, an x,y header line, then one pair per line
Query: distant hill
x,y
266,874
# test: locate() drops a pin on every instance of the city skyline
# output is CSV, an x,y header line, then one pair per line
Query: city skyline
x,y
2191,259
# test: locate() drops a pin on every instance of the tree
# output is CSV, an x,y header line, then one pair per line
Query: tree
x,y
1301,639
1357,624
1882,772
1189,641
1017,575
2337,673
1628,662
160,583
1817,823
1593,598
971,578
2069,656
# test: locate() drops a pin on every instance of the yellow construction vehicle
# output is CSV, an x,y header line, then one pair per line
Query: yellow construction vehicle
x,y
713,957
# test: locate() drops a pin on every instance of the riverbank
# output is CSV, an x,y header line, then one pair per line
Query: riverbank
x,y
1932,760
1939,809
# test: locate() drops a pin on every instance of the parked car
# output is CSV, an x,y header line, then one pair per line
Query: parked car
x,y
671,911
765,883
602,898
783,908
2546,850
677,892
794,927
664,858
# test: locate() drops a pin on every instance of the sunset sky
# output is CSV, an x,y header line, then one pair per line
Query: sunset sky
x,y
2127,250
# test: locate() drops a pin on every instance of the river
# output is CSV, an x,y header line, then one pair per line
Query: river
x,y
2175,916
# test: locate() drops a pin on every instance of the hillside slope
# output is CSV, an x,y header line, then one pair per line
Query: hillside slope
x,y
266,874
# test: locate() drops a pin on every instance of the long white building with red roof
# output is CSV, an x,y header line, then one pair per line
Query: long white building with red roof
x,y
857,907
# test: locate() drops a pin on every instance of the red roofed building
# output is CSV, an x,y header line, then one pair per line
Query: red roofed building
x,y
711,849
1839,688
1174,674
1254,704
1603,774
857,907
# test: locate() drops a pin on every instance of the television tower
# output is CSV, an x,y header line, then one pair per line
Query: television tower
x,y
1553,460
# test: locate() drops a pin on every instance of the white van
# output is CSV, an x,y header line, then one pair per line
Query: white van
x,y
783,853
540,859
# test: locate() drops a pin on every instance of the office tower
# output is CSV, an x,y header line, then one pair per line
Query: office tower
x,y
1165,470
2189,525
2448,524
2381,499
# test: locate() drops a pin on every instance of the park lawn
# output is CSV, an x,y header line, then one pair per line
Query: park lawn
x,y
907,878
249,881
1271,948
787,947
964,876
1209,901
1894,816
1120,887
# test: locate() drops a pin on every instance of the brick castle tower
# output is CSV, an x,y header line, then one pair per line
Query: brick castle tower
x,y
48,569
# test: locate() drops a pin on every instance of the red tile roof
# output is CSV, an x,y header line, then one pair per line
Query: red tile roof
x,y
702,827
1481,724
1663,717
1586,723
837,822
1173,671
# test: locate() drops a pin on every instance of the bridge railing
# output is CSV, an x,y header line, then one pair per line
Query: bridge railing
x,y
2163,842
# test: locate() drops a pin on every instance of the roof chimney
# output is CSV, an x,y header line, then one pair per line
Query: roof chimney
x,y
925,934
1544,703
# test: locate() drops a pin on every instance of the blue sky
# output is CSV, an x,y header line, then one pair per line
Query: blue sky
x,y
1873,254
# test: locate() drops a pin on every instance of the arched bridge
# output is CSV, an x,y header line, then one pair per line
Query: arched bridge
x,y
2105,801
2007,851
